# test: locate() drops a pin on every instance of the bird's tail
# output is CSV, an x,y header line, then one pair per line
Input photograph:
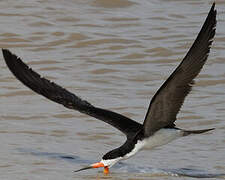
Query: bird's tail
x,y
188,132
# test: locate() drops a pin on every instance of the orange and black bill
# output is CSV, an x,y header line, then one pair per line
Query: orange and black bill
x,y
84,168
95,165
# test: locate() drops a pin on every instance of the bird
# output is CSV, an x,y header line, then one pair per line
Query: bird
x,y
159,126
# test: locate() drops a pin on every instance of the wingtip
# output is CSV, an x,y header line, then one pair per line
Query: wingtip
x,y
213,9
6,53
5,50
9,58
212,12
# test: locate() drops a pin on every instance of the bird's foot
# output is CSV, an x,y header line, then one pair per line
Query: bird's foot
x,y
106,170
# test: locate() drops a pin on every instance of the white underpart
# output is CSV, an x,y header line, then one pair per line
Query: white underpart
x,y
111,162
161,137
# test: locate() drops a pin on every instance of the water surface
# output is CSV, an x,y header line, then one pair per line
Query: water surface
x,y
115,54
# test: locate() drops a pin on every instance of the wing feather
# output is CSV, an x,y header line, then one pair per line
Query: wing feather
x,y
168,100
60,95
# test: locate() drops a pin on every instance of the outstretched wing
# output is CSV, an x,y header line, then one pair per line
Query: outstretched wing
x,y
168,100
60,95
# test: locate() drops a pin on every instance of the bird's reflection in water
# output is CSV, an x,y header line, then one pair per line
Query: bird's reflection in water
x,y
123,168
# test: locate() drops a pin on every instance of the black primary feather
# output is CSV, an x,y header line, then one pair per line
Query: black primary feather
x,y
168,100
60,95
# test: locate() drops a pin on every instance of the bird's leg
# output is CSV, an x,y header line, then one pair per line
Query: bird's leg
x,y
106,170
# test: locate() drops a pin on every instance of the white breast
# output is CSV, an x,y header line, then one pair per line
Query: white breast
x,y
161,137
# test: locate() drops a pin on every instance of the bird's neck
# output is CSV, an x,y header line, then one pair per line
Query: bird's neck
x,y
127,150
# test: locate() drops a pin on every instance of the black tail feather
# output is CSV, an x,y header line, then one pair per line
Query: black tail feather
x,y
188,132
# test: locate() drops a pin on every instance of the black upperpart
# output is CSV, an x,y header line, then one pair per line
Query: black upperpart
x,y
121,151
60,95
163,108
167,101
127,147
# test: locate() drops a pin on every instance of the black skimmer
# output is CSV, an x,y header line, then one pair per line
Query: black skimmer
x,y
158,127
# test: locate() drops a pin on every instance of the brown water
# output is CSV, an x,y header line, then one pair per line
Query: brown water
x,y
115,54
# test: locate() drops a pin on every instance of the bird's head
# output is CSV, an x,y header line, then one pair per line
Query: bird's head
x,y
108,160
